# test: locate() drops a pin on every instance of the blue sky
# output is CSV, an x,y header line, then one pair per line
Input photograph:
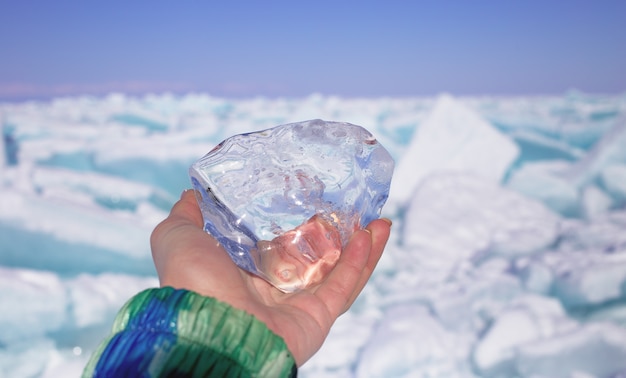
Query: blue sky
x,y
288,48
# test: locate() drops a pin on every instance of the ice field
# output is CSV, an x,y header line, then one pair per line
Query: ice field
x,y
507,256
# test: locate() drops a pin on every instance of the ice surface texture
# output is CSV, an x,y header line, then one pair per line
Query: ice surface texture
x,y
284,201
86,188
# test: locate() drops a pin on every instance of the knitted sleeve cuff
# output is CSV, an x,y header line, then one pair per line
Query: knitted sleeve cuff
x,y
169,332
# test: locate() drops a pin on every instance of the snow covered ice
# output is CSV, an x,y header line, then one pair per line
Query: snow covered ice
x,y
507,257
284,201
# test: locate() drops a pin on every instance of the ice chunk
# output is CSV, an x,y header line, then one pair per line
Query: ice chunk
x,y
96,298
410,342
613,179
343,346
537,277
589,266
284,201
537,146
544,182
528,319
26,359
595,349
33,303
603,234
41,358
106,190
585,279
453,138
71,236
610,150
595,202
460,216
482,289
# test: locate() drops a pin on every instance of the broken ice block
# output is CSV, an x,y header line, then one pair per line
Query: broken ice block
x,y
284,201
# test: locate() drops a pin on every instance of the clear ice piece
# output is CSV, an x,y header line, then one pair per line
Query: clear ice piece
x,y
284,201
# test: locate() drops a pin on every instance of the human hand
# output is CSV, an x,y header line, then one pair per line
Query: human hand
x,y
186,257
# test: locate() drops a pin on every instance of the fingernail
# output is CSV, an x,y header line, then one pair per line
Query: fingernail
x,y
183,193
388,221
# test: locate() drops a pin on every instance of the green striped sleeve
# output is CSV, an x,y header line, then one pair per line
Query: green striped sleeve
x,y
168,332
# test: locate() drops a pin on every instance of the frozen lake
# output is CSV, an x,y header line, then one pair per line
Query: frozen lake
x,y
507,255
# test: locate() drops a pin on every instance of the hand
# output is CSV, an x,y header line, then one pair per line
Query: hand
x,y
186,257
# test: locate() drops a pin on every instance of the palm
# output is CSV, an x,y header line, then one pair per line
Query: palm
x,y
187,257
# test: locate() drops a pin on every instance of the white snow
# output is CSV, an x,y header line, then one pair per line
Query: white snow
x,y
507,255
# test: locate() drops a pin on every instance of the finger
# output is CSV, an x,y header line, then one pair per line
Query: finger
x,y
179,242
184,212
380,230
187,208
337,290
185,217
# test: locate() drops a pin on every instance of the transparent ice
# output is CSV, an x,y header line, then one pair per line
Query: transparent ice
x,y
284,201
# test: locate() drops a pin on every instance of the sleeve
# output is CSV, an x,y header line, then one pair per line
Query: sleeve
x,y
167,332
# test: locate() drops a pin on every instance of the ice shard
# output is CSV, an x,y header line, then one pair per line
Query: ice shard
x,y
284,201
